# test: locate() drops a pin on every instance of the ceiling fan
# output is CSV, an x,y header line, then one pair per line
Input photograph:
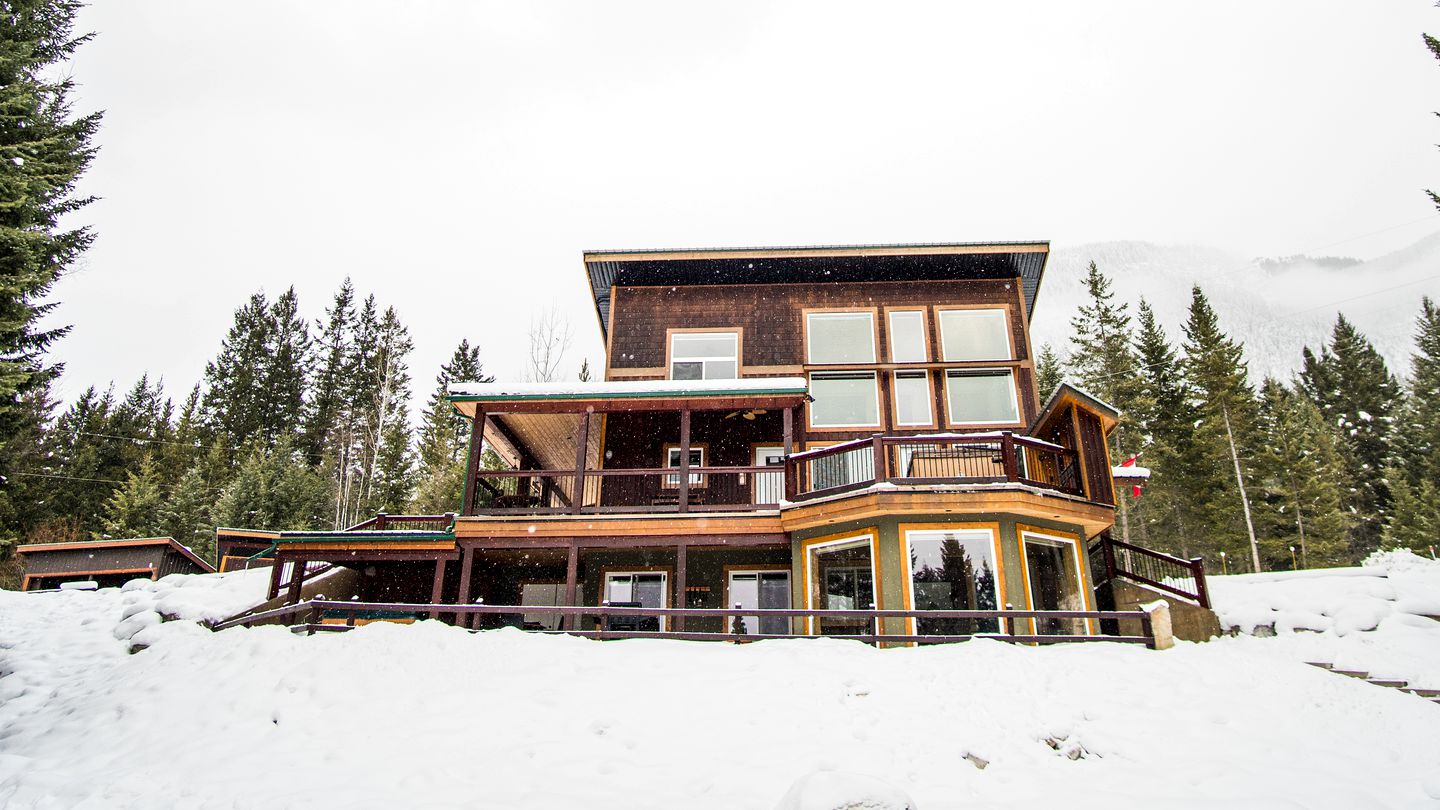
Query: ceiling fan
x,y
749,414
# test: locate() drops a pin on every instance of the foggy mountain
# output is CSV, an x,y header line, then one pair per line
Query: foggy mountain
x,y
1275,307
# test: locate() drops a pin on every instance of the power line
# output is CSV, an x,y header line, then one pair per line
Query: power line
x,y
70,478
153,441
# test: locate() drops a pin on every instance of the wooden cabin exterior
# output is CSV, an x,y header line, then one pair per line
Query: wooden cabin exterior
x,y
817,428
108,563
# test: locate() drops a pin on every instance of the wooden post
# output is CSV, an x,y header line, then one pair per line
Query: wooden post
x,y
877,445
1007,457
1108,551
467,560
582,446
438,587
380,521
275,569
297,580
1197,570
685,460
788,476
472,463
572,570
680,572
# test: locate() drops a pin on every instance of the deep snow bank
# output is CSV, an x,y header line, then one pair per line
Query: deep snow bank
x,y
428,716
1370,619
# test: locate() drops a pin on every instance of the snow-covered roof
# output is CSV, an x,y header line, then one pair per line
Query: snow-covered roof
x,y
622,389
1130,472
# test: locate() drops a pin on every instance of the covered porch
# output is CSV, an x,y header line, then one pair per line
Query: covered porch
x,y
651,446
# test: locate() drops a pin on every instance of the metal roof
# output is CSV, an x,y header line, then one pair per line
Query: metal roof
x,y
818,263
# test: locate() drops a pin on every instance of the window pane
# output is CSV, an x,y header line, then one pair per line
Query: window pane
x,y
912,398
953,571
687,371
907,337
841,337
974,334
981,396
703,345
720,370
1054,584
842,578
844,400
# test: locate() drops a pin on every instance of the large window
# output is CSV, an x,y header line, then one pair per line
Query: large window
x,y
907,336
704,356
981,397
974,334
842,577
953,570
1052,568
912,399
844,399
840,337
763,590
636,589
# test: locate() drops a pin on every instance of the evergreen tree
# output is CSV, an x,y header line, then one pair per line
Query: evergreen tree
x,y
134,509
1357,394
1298,477
235,401
445,436
1223,406
1166,515
1418,426
44,149
1415,520
274,489
328,398
186,514
389,477
25,490
284,375
185,445
584,375
1049,372
1433,46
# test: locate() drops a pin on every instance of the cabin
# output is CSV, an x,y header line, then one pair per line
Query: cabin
x,y
850,434
108,563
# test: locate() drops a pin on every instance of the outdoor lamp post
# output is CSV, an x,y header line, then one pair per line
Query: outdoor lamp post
x,y
1224,568
1293,565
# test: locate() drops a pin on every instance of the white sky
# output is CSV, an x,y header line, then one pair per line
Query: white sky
x,y
455,158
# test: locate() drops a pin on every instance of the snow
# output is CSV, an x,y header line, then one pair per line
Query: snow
x,y
756,385
207,598
1132,471
428,715
1368,619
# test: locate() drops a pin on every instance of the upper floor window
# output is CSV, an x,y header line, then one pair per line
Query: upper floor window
x,y
982,396
704,355
907,336
974,334
844,399
840,337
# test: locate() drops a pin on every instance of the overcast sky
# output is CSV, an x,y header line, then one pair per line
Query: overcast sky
x,y
455,158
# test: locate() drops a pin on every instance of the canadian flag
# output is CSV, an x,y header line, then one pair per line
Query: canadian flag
x,y
1134,487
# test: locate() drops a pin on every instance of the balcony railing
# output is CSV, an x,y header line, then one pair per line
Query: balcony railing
x,y
977,458
944,459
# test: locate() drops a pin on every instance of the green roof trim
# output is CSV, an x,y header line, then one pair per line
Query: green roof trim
x,y
635,395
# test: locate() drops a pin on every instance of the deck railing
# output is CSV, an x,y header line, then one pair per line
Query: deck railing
x,y
1015,625
389,523
1117,559
980,458
540,492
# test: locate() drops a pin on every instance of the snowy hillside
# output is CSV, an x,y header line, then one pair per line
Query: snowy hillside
x,y
1275,309
430,716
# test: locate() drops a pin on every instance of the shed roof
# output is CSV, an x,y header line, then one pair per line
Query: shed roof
x,y
821,263
175,546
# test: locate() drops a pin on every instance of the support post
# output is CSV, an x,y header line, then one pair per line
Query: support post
x,y
275,569
877,447
297,580
467,559
437,588
788,441
1007,457
685,460
1197,570
472,461
680,572
572,571
582,445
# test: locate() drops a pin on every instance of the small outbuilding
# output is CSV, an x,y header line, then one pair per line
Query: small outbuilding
x,y
108,563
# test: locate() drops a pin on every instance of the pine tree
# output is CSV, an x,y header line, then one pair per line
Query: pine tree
x,y
1415,519
186,514
284,375
1433,46
274,489
44,150
235,400
1166,515
134,509
1049,372
584,375
1223,405
328,398
1298,478
1418,426
1356,392
445,436
389,477
185,445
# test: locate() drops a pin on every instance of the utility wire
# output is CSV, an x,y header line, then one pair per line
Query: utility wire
x,y
153,441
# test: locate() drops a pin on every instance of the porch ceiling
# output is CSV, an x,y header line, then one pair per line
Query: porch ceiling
x,y
547,440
